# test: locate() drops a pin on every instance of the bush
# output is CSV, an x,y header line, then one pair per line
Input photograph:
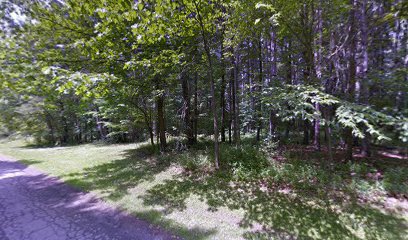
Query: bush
x,y
299,174
244,161
396,181
269,146
196,160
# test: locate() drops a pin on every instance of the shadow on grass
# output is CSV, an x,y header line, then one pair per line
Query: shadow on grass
x,y
47,145
29,162
116,177
156,217
267,214
275,215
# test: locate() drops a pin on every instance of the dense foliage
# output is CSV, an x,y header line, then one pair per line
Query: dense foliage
x,y
120,71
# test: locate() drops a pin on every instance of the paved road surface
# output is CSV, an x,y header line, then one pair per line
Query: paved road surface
x,y
34,206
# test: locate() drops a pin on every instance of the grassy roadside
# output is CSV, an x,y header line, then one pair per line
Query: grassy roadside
x,y
196,205
122,176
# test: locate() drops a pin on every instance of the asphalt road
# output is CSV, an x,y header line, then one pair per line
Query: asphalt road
x,y
35,206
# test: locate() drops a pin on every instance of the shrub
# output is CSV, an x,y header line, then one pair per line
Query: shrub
x,y
195,160
244,161
396,180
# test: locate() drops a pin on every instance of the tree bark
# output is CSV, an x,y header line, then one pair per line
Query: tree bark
x,y
148,122
235,102
161,122
186,111
316,139
212,85
222,96
328,132
274,71
318,68
306,126
362,71
195,118
259,89
352,76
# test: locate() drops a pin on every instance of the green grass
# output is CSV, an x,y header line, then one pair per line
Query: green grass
x,y
177,192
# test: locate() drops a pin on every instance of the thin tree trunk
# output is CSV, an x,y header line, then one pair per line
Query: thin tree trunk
x,y
274,71
328,133
352,76
50,125
154,122
272,127
161,122
222,101
189,131
212,84
195,118
214,108
101,128
235,102
259,88
316,141
318,58
65,133
149,129
363,69
306,126
151,136
230,108
148,122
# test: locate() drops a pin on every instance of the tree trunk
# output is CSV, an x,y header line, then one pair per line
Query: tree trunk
x,y
318,68
306,126
189,131
259,89
235,102
195,118
101,128
149,125
274,71
272,121
151,136
316,140
212,84
230,112
223,111
328,134
352,76
50,125
362,72
214,108
65,132
161,122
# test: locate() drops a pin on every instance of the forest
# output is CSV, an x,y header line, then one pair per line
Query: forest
x,y
253,91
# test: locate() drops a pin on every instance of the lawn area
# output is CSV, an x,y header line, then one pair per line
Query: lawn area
x,y
291,199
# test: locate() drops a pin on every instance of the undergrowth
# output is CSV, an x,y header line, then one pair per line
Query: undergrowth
x,y
251,162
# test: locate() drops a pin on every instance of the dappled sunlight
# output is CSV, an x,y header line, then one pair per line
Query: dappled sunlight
x,y
195,232
278,214
114,178
295,198
213,119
